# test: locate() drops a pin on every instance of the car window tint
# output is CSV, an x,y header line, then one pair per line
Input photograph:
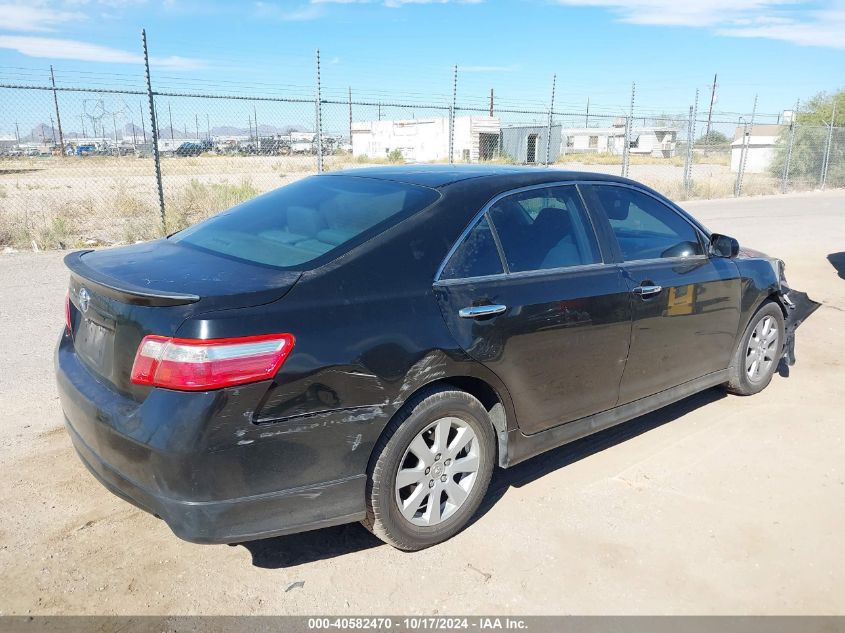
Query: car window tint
x,y
476,256
545,228
297,223
645,228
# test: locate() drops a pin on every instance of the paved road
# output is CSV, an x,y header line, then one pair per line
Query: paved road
x,y
715,505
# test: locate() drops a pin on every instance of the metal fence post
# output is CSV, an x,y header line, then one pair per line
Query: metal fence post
x,y
693,113
350,116
784,182
749,130
826,161
58,116
452,116
549,131
156,156
318,112
688,159
628,123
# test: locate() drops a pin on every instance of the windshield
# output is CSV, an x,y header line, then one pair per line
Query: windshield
x,y
304,220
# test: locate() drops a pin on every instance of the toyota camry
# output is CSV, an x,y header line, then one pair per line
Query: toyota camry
x,y
368,345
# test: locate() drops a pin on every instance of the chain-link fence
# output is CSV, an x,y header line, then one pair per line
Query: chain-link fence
x,y
79,166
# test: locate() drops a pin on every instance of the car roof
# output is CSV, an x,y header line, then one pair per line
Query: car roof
x,y
437,176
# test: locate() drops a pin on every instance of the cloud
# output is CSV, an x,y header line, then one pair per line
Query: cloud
x,y
21,17
826,29
54,48
273,11
393,4
802,22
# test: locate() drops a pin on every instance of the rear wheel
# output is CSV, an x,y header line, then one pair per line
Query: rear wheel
x,y
759,351
430,470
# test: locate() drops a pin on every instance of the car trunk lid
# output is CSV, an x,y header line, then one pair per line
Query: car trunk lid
x,y
118,296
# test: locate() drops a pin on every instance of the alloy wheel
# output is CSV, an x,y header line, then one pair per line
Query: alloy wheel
x,y
762,349
437,472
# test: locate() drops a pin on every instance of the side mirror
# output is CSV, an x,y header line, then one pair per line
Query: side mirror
x,y
723,246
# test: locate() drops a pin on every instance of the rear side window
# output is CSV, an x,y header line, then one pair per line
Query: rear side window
x,y
545,228
476,256
295,224
644,227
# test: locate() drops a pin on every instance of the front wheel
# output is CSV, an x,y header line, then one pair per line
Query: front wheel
x,y
759,351
430,470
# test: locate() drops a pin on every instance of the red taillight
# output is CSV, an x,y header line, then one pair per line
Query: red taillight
x,y
68,324
198,365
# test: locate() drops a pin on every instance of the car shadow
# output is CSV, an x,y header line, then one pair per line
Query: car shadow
x,y
837,260
298,549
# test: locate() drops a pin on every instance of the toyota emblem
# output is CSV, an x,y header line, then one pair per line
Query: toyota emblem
x,y
84,300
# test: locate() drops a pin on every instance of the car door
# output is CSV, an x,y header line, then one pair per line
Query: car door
x,y
527,293
685,303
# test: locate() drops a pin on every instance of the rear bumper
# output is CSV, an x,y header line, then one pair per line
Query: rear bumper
x,y
232,520
196,461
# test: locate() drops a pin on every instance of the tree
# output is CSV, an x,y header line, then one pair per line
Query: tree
x,y
812,129
713,137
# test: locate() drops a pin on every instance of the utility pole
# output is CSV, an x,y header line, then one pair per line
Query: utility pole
x,y
710,110
587,116
82,120
52,130
58,116
170,116
197,123
17,134
491,102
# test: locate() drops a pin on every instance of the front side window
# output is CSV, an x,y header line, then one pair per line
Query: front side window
x,y
302,221
542,229
476,256
644,227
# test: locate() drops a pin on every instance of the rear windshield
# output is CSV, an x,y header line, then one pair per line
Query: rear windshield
x,y
304,220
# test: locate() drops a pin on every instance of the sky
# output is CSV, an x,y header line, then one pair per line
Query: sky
x,y
406,50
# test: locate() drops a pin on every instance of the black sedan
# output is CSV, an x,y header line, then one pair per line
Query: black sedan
x,y
367,345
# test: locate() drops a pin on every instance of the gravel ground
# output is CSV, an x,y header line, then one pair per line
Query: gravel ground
x,y
716,504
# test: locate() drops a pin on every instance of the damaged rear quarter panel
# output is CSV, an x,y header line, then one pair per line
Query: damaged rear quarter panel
x,y
366,341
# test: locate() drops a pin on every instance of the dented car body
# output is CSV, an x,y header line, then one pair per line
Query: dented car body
x,y
554,348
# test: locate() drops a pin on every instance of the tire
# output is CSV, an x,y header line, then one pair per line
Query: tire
x,y
412,443
760,344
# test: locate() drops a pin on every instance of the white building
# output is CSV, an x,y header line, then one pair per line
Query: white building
x,y
660,142
424,140
760,147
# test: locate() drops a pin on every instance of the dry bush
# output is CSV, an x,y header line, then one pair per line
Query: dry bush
x,y
199,200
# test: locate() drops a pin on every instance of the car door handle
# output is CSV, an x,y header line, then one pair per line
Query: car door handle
x,y
475,312
647,291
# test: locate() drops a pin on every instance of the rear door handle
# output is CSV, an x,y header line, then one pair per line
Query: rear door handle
x,y
647,291
475,312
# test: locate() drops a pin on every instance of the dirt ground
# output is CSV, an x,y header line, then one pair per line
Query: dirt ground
x,y
716,504
72,202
